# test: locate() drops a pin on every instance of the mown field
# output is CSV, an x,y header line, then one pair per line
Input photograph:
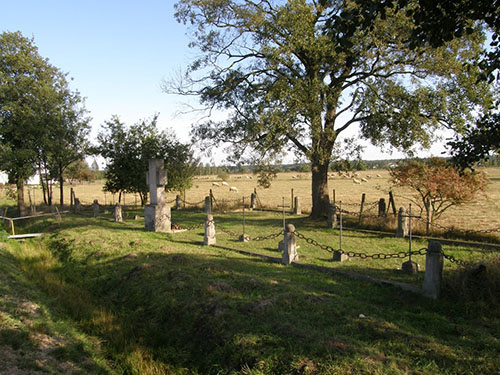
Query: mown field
x,y
481,215
94,296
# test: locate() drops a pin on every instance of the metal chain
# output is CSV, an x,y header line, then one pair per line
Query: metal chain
x,y
268,237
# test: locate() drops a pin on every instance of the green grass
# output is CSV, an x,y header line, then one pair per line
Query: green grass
x,y
157,303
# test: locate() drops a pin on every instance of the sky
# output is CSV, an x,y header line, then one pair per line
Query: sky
x,y
117,54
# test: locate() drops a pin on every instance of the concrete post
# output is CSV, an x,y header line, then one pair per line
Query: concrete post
x,y
433,270
253,198
332,216
209,238
382,207
95,208
208,205
177,202
118,213
290,246
402,230
78,206
297,209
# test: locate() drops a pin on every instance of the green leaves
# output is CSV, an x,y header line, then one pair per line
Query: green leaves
x,y
128,150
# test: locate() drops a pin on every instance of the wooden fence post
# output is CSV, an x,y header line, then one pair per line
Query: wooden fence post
x,y
391,202
363,198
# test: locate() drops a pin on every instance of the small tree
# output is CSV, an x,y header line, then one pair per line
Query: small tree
x,y
128,149
438,185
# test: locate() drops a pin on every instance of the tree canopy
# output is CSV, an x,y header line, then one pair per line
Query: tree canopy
x,y
127,151
294,75
43,122
438,185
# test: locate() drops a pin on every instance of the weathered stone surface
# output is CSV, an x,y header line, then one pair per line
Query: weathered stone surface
x,y
297,208
118,213
209,238
402,230
157,218
433,270
290,254
95,208
332,216
410,268
339,256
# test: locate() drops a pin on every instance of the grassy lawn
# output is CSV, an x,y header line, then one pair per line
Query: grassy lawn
x,y
148,303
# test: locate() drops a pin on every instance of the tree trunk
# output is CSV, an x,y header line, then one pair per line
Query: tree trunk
x,y
61,187
20,197
320,198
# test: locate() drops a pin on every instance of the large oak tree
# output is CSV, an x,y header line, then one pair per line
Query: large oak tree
x,y
296,74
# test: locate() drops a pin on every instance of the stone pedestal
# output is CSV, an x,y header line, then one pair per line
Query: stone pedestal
x,y
339,256
157,218
433,270
118,213
290,247
209,238
243,238
410,268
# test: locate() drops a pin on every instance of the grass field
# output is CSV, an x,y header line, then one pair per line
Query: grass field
x,y
482,214
94,296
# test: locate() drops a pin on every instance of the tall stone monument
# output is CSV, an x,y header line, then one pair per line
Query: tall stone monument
x,y
157,213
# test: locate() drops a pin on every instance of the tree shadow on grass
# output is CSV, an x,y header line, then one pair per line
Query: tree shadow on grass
x,y
217,309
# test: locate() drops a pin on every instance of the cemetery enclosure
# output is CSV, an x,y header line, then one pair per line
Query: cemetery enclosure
x,y
193,306
482,214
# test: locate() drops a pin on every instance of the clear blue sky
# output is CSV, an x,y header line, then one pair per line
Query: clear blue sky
x,y
118,52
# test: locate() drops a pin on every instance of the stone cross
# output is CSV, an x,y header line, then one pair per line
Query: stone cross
x,y
157,213
290,246
156,178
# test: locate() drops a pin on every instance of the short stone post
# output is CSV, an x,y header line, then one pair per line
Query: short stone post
x,y
208,205
382,207
118,213
209,238
253,198
95,207
78,206
339,256
71,198
402,230
290,246
297,209
332,216
433,270
177,202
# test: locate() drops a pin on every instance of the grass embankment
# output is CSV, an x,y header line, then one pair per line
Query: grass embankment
x,y
166,304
